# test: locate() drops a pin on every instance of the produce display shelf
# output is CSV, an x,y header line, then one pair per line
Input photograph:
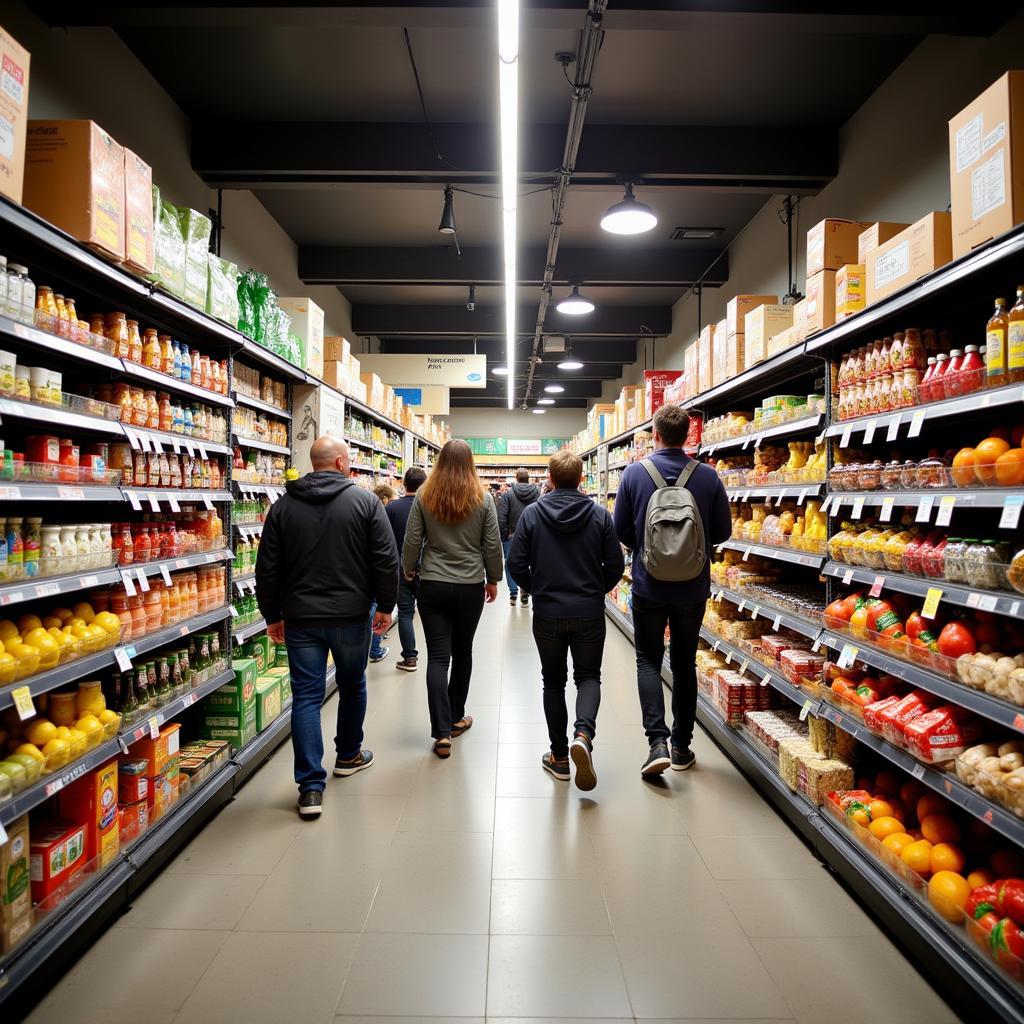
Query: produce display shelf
x,y
805,425
797,623
263,446
799,491
261,406
1000,602
270,489
29,491
175,707
273,361
42,682
248,631
974,403
956,693
177,442
144,495
778,554
745,663
761,378
59,417
165,381
63,346
982,497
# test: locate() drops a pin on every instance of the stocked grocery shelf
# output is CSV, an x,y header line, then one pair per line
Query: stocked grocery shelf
x,y
745,663
167,382
177,442
256,403
28,491
983,497
146,496
805,425
805,627
799,491
761,377
242,582
248,631
175,707
272,361
263,446
248,527
985,600
62,346
778,554
58,417
270,489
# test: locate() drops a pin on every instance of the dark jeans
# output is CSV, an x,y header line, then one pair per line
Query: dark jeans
x,y
307,658
513,587
555,638
449,613
406,609
683,621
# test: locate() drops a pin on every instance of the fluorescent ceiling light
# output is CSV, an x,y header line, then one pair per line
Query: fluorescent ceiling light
x,y
538,412
545,401
508,94
500,371
554,389
629,217
575,304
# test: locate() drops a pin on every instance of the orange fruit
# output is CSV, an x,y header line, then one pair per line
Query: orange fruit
x,y
985,456
880,809
1010,468
918,857
947,857
980,877
897,841
963,468
888,782
1007,863
885,826
931,803
947,893
940,828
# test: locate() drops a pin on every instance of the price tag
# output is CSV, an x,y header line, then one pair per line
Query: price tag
x,y
124,662
916,422
1015,608
844,441
157,446
1011,511
134,499
746,442
847,577
145,442
945,513
858,506
765,679
191,449
886,513
70,493
816,646
234,612
154,501
143,579
272,495
805,710
847,656
728,657
825,504
173,502
3,834
166,573
869,431
931,602
176,445
746,553
188,700
754,612
129,583
988,603
924,509
22,698
133,438
716,645
202,452
742,604
1018,722
973,600
819,439
776,622
207,503
47,589
154,728
801,496
836,507
85,582
743,665
11,597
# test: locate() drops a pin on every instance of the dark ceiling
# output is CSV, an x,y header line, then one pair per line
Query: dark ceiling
x,y
711,107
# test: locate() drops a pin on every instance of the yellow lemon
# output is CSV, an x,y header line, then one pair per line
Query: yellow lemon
x,y
58,753
27,623
91,726
8,630
33,636
26,660
7,668
83,610
80,630
79,742
32,750
63,733
40,731
51,621
108,622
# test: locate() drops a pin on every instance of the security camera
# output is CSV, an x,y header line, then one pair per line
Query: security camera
x,y
471,301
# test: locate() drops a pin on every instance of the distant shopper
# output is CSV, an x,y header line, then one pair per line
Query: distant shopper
x,y
517,499
397,512
672,580
452,536
327,554
378,652
566,554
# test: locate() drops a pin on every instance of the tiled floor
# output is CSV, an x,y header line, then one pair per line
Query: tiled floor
x,y
482,888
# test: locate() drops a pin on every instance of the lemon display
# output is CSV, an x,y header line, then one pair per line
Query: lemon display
x,y
57,752
8,667
40,731
79,742
64,614
28,622
26,660
92,727
50,621
49,650
8,629
83,610
108,622
111,722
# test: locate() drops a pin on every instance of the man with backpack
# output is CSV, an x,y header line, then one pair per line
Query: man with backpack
x,y
514,502
670,511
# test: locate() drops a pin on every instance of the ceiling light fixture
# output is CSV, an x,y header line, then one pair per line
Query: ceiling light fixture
x,y
575,304
569,362
447,225
545,401
630,217
554,389
508,94
538,412
500,371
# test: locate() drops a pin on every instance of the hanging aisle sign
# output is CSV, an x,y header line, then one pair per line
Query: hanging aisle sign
x,y
454,371
516,445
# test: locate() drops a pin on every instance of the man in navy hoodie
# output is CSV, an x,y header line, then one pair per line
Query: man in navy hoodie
x,y
565,554
657,604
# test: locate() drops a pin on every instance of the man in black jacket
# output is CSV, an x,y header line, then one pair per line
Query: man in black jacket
x,y
566,554
513,503
327,553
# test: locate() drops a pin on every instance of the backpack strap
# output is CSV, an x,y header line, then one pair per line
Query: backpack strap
x,y
652,471
684,477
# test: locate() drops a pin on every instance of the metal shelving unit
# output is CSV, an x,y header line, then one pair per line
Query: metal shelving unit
x,y
988,497
777,554
805,425
805,627
261,406
263,446
777,491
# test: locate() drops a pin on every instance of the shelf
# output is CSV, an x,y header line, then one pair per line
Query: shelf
x,y
746,663
61,346
263,446
761,379
242,633
248,527
256,403
58,417
177,442
778,554
276,490
805,627
271,360
809,490
983,497
28,491
144,496
806,425
176,707
169,383
242,582
363,469
1000,602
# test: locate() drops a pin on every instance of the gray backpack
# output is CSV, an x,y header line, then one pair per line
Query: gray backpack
x,y
674,548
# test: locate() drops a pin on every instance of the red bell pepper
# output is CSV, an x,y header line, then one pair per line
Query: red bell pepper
x,y
982,901
1011,899
1007,943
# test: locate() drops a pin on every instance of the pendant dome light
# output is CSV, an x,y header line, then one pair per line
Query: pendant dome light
x,y
568,361
447,225
500,371
554,389
629,217
538,412
545,401
575,304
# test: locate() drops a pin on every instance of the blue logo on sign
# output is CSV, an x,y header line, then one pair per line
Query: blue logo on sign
x,y
472,376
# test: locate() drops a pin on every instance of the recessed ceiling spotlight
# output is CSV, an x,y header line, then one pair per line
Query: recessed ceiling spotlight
x,y
554,389
545,401
575,304
499,371
629,217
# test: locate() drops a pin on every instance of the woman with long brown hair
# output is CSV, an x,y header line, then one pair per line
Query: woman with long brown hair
x,y
452,537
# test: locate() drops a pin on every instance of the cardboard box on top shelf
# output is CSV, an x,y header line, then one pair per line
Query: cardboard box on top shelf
x,y
986,164
731,357
831,243
74,177
820,308
850,294
739,306
15,892
655,382
336,374
359,391
15,61
139,241
760,324
92,801
690,370
923,247
336,348
705,358
875,235
168,247
374,390
308,326
800,319
783,340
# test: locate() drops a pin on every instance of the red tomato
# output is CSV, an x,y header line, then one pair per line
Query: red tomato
x,y
956,639
838,610
916,623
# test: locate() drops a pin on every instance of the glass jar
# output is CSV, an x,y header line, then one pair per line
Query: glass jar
x,y
32,539
123,397
914,354
896,352
984,564
166,354
83,546
97,556
870,476
69,549
910,389
933,473
50,552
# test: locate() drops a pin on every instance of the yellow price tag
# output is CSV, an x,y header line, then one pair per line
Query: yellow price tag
x,y
931,602
22,698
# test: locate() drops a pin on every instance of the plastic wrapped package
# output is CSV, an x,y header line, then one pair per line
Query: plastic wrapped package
x,y
942,734
798,665
195,230
222,289
817,777
734,694
829,740
791,752
168,246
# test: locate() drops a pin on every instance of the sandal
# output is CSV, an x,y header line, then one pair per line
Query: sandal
x,y
462,725
443,748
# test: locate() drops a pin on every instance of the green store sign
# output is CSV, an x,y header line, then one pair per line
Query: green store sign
x,y
516,445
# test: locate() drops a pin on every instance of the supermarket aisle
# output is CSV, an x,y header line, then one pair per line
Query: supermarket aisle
x,y
481,886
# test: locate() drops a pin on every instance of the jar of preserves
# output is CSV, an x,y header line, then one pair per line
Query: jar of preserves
x,y
116,327
985,563
165,470
138,614
908,475
932,473
174,462
123,397
119,607
166,354
910,389
896,352
996,331
154,610
139,475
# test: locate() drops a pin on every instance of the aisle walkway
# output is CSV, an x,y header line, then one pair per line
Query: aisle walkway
x,y
481,886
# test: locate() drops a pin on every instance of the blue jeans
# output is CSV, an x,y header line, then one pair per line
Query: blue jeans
x,y
376,642
307,658
513,587
406,609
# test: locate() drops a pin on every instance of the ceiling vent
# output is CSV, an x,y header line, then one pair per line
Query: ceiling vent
x,y
554,343
696,234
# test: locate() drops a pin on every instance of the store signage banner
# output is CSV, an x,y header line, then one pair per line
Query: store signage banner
x,y
453,371
426,399
516,446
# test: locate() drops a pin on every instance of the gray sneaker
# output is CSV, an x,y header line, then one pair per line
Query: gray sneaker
x,y
384,652
359,763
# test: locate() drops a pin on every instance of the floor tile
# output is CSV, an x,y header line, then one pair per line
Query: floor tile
x,y
538,906
532,781
342,905
729,857
240,841
543,853
207,902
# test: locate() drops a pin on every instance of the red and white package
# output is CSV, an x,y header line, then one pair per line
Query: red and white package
x,y
873,712
942,734
896,718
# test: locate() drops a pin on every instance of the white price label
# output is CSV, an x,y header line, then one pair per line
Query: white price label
x,y
858,506
11,597
744,665
776,622
765,679
154,728
869,431
816,646
819,439
801,496
742,604
754,612
916,422
728,657
10,493
844,441
134,499
746,553
836,506
207,503
945,513
143,579
924,509
3,834
917,771
133,438
176,445
825,504
234,612
272,495
154,501
124,662
876,586
716,645
746,442
128,582
847,656
144,442
173,502
1015,608
1012,504
202,452
805,710
70,493
22,698
988,603
166,573
886,512
85,582
847,577
190,448
158,448
973,600
47,589
188,700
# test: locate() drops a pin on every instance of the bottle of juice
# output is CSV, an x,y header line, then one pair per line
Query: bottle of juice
x,y
152,354
938,386
1015,339
925,390
186,364
197,368
175,370
995,345
134,342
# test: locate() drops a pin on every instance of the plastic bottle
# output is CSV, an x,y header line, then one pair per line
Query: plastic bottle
x,y
1015,339
972,370
4,570
166,354
938,386
12,306
175,370
197,368
925,389
951,376
134,341
186,364
995,345
32,541
152,353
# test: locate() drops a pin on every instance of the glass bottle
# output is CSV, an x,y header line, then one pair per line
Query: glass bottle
x,y
152,353
28,297
914,350
225,383
12,305
32,541
69,549
15,549
896,352
1015,339
166,354
995,344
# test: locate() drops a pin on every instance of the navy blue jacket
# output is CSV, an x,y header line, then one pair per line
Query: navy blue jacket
x,y
397,512
635,492
564,554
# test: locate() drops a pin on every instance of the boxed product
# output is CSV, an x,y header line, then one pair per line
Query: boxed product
x,y
875,235
261,650
268,701
218,718
308,327
705,358
336,374
159,752
820,304
655,382
783,340
831,243
133,818
761,324
132,784
690,370
284,679
237,738
374,389
92,801
138,213
13,115
15,897
337,348
986,164
168,246
74,177
800,319
281,654
920,249
163,790
730,358
56,855
850,294
195,230
222,289
740,306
